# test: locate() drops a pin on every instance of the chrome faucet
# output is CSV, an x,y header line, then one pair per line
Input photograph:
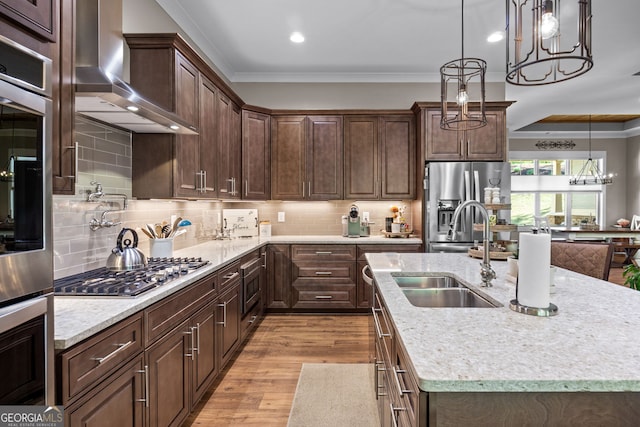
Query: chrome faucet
x,y
98,195
486,272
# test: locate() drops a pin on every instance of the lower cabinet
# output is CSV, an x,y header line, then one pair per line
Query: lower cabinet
x,y
278,277
228,323
120,400
204,350
168,377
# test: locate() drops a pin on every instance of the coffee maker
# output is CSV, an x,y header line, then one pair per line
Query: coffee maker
x,y
353,223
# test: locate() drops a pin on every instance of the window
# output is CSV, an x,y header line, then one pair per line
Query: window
x,y
540,188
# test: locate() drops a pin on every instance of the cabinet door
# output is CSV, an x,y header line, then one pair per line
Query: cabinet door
x,y
228,123
398,146
119,401
287,157
442,144
204,369
186,166
229,323
256,165
488,142
168,364
36,16
361,165
278,276
324,158
207,156
186,95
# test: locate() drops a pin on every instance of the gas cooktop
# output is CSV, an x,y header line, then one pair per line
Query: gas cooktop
x,y
102,282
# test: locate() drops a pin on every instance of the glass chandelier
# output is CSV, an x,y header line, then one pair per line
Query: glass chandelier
x,y
590,172
463,80
547,42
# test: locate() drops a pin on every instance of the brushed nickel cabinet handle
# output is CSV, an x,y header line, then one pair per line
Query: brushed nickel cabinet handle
x,y
324,297
376,324
145,371
323,273
224,315
120,348
324,252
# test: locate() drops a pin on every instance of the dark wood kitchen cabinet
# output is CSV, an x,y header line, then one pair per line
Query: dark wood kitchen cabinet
x,y
379,157
307,158
278,292
323,277
256,155
204,361
38,17
229,160
229,323
488,143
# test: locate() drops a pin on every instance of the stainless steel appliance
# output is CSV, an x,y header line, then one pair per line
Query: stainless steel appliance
x,y
26,261
447,185
129,283
250,273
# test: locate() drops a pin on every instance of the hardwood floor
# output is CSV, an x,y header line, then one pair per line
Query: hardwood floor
x,y
258,386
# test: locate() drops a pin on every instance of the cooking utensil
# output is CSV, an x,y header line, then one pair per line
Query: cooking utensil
x,y
152,230
176,224
158,230
166,231
127,257
179,232
184,223
145,231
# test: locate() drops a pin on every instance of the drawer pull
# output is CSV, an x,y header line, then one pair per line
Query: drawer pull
x,y
376,324
121,347
323,273
253,319
323,252
396,373
394,416
230,275
192,348
324,297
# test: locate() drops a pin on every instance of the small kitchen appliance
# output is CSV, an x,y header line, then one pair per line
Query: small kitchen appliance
x,y
353,224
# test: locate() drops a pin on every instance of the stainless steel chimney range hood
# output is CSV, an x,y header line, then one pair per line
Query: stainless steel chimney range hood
x,y
101,92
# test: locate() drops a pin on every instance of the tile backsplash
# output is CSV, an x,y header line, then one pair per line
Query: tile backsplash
x,y
104,156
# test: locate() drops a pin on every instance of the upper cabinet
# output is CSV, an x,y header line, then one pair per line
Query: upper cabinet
x,y
36,16
483,144
307,158
380,157
167,72
256,155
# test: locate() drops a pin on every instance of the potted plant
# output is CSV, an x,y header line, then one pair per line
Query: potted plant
x,y
631,275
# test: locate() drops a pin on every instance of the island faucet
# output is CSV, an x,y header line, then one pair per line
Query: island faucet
x,y
486,272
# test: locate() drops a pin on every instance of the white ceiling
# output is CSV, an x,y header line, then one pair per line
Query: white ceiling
x,y
407,41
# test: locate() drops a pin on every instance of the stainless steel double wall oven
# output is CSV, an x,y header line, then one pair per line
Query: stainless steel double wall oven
x,y
26,247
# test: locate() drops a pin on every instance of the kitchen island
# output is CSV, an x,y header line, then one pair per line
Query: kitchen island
x,y
493,366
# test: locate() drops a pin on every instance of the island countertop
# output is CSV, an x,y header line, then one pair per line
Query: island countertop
x,y
588,346
77,318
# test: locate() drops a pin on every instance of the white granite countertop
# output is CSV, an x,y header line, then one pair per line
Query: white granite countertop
x,y
77,318
588,346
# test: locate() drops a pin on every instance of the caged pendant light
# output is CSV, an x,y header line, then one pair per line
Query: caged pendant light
x,y
547,42
458,79
590,172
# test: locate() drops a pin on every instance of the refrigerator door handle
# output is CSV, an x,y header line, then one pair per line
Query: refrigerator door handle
x,y
467,186
476,187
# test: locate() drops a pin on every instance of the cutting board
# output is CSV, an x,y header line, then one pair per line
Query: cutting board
x,y
241,222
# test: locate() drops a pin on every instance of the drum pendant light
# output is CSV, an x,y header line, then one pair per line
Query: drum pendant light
x,y
463,80
547,42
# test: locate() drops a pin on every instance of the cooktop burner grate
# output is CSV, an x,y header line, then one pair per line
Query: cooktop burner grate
x,y
103,282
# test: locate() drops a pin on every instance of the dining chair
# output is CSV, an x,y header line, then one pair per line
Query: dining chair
x,y
591,259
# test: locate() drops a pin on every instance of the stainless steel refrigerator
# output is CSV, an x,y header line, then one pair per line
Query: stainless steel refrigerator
x,y
447,185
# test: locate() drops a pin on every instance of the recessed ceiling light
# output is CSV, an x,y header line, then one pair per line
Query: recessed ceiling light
x,y
495,37
174,127
132,108
296,37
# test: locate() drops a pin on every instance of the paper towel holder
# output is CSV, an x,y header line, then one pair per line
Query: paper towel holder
x,y
552,310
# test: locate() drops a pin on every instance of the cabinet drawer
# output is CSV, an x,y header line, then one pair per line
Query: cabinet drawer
x,y
160,318
251,320
364,249
323,252
228,276
324,270
86,364
406,386
313,293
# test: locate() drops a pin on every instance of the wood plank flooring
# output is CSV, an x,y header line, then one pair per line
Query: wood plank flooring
x,y
259,385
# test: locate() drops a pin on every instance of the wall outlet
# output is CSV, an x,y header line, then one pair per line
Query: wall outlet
x,y
365,216
280,216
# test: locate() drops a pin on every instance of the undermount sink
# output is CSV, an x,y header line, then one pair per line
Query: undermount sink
x,y
437,291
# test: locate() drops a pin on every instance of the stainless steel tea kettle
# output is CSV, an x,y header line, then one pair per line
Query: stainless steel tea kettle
x,y
127,257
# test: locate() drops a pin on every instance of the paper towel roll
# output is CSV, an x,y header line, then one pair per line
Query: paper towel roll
x,y
534,260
